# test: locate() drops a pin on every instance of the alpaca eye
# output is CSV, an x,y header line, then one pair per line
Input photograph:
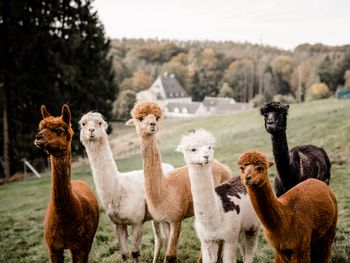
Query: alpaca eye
x,y
100,123
242,168
157,119
260,169
83,124
140,118
209,147
58,131
193,149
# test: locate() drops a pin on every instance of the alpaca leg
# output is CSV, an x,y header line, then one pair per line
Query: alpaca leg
x,y
165,231
229,252
136,242
302,257
175,228
156,226
56,256
248,245
80,256
323,248
122,234
278,258
210,250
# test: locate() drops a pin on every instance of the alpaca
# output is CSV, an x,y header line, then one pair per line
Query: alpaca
x,y
168,197
298,164
224,215
73,213
300,225
121,194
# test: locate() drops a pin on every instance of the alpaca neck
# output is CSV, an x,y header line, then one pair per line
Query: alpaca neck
x,y
104,169
203,193
154,179
61,187
281,156
266,204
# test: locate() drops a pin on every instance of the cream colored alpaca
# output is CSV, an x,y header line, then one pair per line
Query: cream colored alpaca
x,y
168,197
224,215
121,194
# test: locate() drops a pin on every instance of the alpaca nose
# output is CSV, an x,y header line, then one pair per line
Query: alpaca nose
x,y
269,121
248,177
206,157
152,124
39,136
91,130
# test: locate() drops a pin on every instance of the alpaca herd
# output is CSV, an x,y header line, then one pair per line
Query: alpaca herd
x,y
298,218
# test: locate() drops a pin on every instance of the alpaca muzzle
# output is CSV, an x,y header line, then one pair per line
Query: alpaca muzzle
x,y
39,140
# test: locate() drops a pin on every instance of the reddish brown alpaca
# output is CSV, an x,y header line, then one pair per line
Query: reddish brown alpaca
x,y
300,225
72,215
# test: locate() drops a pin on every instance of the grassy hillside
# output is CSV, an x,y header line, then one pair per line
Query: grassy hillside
x,y
323,123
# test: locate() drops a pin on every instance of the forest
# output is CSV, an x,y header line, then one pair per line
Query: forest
x,y
243,71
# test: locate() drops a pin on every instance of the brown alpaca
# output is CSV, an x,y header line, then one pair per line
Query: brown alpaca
x,y
301,224
169,197
72,216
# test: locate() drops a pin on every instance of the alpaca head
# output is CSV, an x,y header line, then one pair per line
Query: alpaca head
x,y
197,147
275,114
55,133
253,166
145,117
92,128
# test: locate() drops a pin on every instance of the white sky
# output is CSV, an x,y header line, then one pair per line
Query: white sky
x,y
279,23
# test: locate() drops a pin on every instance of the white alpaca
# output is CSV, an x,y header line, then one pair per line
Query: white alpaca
x,y
121,194
224,216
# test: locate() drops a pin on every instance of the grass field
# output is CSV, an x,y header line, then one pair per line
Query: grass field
x,y
324,123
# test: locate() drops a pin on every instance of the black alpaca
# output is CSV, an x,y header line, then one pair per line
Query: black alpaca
x,y
298,164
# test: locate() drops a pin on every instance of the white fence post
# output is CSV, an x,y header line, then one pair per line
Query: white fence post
x,y
31,168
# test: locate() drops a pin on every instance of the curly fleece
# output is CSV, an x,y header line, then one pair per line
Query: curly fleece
x,y
144,108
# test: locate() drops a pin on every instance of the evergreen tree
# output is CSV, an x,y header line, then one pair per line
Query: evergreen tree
x,y
54,52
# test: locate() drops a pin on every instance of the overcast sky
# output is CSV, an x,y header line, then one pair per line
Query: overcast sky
x,y
279,23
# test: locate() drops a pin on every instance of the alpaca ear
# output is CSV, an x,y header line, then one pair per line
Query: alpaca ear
x,y
130,122
179,148
44,112
66,114
270,164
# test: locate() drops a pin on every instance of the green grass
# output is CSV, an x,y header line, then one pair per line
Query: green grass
x,y
324,123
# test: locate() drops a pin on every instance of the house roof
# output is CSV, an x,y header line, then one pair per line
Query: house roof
x,y
167,87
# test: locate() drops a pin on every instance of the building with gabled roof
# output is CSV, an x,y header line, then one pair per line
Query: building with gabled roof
x,y
167,91
164,87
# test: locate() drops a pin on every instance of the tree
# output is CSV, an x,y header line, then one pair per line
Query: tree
x,y
53,52
318,91
282,69
6,139
241,76
326,72
123,105
347,79
225,91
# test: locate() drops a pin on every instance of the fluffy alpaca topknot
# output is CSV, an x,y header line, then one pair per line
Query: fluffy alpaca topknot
x,y
254,158
274,106
196,137
92,115
144,108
